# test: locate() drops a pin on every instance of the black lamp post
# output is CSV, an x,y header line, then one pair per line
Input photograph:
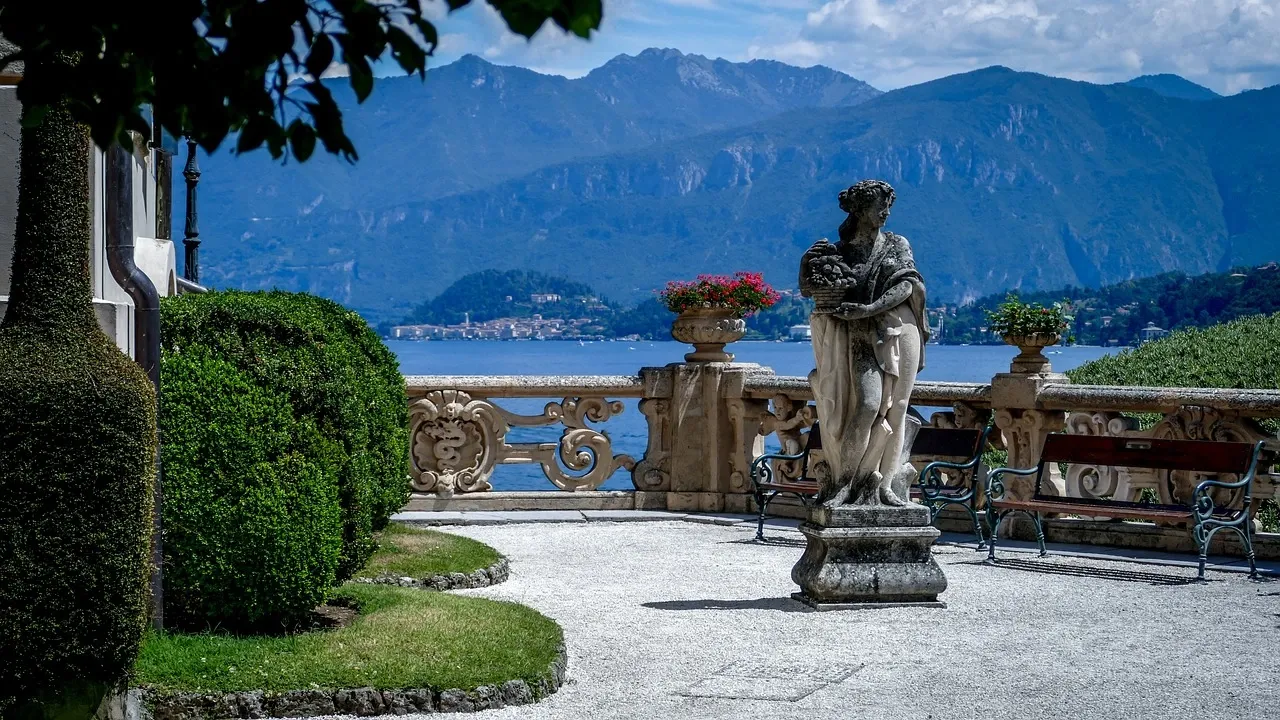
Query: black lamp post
x,y
191,239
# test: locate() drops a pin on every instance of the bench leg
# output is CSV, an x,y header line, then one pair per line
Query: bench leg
x,y
1248,548
762,503
995,532
977,527
1201,538
1040,534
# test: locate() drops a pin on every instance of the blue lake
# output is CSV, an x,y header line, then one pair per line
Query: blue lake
x,y
628,431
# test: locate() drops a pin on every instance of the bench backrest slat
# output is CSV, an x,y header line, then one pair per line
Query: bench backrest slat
x,y
946,442
1159,454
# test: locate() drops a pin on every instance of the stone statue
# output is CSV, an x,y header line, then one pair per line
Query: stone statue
x,y
869,332
866,544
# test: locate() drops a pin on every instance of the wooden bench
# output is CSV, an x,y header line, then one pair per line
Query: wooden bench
x,y
962,449
1206,518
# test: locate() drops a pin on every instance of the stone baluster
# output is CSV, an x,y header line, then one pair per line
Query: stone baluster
x,y
1024,424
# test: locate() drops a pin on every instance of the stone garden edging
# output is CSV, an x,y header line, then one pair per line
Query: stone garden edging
x,y
145,704
484,577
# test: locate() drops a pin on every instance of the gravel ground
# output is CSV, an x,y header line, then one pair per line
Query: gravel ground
x,y
682,620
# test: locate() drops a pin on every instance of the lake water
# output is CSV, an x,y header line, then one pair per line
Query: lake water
x,y
628,431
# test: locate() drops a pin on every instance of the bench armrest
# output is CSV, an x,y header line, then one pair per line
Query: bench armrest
x,y
762,470
995,486
931,480
1202,506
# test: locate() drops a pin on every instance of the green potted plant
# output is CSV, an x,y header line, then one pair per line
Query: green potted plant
x,y
1030,327
711,311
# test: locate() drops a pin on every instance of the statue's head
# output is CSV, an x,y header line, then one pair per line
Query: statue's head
x,y
868,202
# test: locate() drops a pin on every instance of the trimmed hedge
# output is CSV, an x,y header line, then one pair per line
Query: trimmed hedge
x,y
252,525
330,367
1237,354
77,453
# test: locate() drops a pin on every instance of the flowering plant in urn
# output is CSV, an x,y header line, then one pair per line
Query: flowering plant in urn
x,y
711,311
1030,327
743,294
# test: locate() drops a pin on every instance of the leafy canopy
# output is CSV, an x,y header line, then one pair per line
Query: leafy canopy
x,y
211,67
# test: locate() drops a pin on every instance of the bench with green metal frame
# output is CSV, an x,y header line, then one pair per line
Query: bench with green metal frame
x,y
1200,510
933,490
965,447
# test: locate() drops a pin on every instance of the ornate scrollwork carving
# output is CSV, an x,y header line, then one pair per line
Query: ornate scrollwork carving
x,y
962,416
1024,433
653,472
1203,423
586,455
457,442
1096,481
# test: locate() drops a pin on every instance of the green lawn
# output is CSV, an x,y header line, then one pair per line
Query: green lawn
x,y
413,552
403,638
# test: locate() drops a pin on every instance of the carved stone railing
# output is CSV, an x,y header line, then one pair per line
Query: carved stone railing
x,y
1188,414
459,435
706,423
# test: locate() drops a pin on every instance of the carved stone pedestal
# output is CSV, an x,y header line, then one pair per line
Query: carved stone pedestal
x,y
861,557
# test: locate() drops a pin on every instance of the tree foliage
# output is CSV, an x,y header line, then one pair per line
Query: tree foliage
x,y
1116,314
212,67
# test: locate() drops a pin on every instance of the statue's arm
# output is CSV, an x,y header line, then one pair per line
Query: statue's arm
x,y
895,296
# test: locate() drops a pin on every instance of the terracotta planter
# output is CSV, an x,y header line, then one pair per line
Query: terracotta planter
x,y
708,330
1031,359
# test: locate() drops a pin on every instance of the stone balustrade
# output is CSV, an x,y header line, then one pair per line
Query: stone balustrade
x,y
459,435
706,422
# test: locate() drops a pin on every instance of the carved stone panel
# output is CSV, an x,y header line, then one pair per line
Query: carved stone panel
x,y
1202,423
455,442
653,472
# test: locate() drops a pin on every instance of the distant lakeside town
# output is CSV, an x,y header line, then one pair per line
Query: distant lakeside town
x,y
520,305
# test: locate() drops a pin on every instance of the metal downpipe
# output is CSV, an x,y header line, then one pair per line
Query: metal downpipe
x,y
120,242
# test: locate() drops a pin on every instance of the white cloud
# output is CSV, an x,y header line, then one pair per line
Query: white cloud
x,y
1225,44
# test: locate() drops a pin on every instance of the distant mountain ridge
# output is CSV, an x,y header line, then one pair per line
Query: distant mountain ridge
x,y
1005,179
1173,86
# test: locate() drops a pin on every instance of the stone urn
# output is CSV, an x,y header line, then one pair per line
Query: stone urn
x,y
708,330
1031,360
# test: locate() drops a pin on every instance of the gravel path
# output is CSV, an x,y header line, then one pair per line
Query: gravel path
x,y
682,620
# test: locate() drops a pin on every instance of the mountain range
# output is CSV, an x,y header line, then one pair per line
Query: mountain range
x,y
664,165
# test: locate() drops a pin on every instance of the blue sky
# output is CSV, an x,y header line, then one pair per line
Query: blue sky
x,y
1227,45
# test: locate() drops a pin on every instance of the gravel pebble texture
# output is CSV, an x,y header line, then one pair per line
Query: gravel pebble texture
x,y
682,620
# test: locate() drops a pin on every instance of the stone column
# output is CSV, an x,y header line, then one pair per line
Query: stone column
x,y
702,437
1025,425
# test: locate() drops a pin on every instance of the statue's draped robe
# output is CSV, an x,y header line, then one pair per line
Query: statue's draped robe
x,y
865,371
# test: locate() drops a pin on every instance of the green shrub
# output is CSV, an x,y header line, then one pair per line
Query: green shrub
x,y
1238,354
252,527
329,366
77,452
